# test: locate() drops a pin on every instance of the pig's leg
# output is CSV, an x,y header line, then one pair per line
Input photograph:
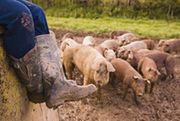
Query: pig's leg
x,y
125,91
99,93
113,80
146,87
152,86
68,68
135,98
85,81
163,75
170,64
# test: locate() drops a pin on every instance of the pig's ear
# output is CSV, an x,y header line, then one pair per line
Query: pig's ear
x,y
161,43
64,46
158,73
146,80
135,77
105,52
95,66
110,67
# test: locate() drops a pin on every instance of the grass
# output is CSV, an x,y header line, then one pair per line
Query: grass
x,y
142,27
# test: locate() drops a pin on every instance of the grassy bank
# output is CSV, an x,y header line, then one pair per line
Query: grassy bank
x,y
152,9
147,28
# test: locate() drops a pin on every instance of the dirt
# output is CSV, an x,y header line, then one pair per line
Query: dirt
x,y
162,105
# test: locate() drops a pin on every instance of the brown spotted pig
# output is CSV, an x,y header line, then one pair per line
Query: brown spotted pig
x,y
129,76
148,68
162,60
172,46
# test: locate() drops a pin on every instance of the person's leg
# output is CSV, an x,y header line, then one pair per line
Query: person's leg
x,y
18,23
19,42
39,18
56,88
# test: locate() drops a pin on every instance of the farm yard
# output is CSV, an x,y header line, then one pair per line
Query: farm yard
x,y
161,105
114,60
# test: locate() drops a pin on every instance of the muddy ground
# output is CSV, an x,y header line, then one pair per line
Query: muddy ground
x,y
162,105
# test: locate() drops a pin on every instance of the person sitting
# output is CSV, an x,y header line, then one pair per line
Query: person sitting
x,y
35,56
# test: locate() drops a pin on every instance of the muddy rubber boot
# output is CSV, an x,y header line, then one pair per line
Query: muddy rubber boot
x,y
63,91
28,70
57,89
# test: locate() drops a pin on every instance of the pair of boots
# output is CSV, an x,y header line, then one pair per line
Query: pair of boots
x,y
41,71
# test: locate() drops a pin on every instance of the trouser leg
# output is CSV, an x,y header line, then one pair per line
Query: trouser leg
x,y
19,28
39,18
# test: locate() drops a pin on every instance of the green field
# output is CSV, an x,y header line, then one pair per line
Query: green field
x,y
142,27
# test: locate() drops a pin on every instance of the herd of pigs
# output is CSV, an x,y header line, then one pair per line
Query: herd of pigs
x,y
124,57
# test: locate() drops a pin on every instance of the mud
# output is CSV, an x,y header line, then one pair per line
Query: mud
x,y
162,105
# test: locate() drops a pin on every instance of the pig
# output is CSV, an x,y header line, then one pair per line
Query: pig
x,y
127,38
123,37
124,50
89,41
90,62
162,60
110,44
115,34
68,42
150,44
67,35
100,49
130,78
122,53
148,68
109,54
162,42
172,46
